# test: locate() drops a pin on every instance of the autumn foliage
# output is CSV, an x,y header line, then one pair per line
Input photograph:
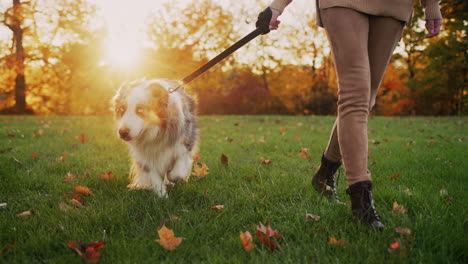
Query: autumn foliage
x,y
290,71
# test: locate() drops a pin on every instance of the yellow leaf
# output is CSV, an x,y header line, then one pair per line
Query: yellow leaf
x,y
335,242
200,171
167,239
398,209
217,207
82,189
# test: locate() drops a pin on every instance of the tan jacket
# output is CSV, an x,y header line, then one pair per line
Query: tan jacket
x,y
398,9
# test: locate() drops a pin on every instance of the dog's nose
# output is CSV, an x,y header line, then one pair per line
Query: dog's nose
x,y
124,133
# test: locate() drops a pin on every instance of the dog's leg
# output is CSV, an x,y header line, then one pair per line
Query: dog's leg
x,y
139,176
157,183
182,168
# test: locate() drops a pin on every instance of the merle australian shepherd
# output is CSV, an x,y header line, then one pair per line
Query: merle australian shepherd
x,y
161,130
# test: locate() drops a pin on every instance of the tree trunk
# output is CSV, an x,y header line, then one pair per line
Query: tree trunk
x,y
20,81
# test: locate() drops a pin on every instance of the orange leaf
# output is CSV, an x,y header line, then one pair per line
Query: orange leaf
x,y
196,157
265,235
34,155
81,137
107,176
398,209
62,158
268,230
395,245
76,203
335,242
217,207
265,161
167,239
89,252
26,214
304,153
82,189
395,176
200,171
224,159
246,239
69,178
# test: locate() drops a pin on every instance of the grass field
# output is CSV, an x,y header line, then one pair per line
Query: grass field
x,y
420,163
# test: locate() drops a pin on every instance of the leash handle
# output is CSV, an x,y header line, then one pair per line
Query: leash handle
x,y
219,57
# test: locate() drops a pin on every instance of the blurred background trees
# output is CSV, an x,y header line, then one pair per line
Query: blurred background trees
x,y
52,60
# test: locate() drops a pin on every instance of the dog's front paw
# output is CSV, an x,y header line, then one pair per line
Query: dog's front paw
x,y
137,186
161,191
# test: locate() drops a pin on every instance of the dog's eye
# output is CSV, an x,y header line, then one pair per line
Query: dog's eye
x,y
121,110
140,110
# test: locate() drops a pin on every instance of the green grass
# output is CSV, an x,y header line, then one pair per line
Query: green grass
x,y
428,153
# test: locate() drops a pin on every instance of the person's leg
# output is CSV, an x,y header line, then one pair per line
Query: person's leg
x,y
384,34
332,151
348,31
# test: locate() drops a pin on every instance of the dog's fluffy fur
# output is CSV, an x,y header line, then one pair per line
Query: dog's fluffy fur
x,y
160,129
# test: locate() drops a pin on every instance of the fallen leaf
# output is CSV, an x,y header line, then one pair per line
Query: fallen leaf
x,y
395,176
398,209
200,172
76,203
304,153
224,159
311,217
62,158
265,235
265,161
69,178
167,239
9,246
217,207
403,230
83,189
335,242
34,155
297,137
26,214
6,121
89,252
395,244
196,157
106,176
246,239
81,137
175,218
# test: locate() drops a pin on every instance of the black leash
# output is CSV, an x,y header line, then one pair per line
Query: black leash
x,y
219,58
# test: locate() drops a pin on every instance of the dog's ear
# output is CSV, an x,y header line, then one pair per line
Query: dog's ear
x,y
159,100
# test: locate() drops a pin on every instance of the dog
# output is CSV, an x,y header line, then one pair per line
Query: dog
x,y
160,129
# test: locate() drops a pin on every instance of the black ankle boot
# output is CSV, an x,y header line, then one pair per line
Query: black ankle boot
x,y
362,204
324,179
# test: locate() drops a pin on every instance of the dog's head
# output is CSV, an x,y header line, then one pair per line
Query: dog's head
x,y
140,107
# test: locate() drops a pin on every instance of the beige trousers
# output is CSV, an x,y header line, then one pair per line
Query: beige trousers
x,y
362,46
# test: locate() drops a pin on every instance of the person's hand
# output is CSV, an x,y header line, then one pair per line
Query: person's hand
x,y
433,26
274,22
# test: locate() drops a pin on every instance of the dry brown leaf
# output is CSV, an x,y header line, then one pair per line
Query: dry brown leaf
x,y
395,176
196,157
395,244
246,239
26,214
304,153
335,242
217,207
69,178
62,158
76,203
265,161
200,172
83,189
106,176
312,217
224,159
403,230
167,239
398,209
81,137
35,155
